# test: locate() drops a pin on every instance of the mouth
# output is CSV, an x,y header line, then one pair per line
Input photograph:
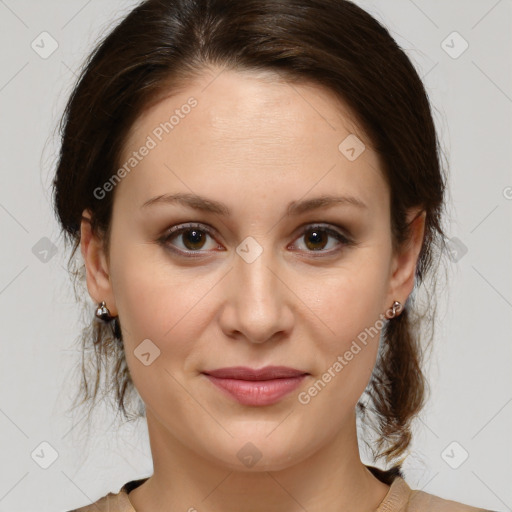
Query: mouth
x,y
256,387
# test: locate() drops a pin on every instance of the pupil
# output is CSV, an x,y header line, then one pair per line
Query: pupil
x,y
195,236
315,237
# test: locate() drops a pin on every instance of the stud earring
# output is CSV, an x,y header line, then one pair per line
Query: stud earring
x,y
396,307
103,313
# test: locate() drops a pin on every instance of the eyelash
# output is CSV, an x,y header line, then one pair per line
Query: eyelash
x,y
177,230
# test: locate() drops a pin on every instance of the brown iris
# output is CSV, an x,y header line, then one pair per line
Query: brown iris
x,y
195,240
317,236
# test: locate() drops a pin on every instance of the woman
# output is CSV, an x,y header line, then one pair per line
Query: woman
x,y
256,191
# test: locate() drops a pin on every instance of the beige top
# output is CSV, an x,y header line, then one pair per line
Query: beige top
x,y
400,498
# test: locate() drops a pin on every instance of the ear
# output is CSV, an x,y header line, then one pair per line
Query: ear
x,y
404,262
96,265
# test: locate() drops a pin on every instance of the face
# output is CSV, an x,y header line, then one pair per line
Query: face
x,y
264,279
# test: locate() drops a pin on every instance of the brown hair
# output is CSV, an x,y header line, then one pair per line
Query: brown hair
x,y
161,45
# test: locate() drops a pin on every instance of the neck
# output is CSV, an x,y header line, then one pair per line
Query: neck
x,y
332,479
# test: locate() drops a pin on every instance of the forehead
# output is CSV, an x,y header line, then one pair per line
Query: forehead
x,y
249,131
251,106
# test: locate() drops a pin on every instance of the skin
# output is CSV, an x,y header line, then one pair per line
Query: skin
x,y
255,143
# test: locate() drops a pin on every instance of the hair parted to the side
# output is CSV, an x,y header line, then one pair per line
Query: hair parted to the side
x,y
163,44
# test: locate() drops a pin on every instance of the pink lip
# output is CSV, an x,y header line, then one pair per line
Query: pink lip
x,y
262,386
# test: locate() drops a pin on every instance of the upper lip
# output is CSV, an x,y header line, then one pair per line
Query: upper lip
x,y
246,373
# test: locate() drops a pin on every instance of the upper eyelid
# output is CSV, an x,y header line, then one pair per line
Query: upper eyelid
x,y
328,227
210,229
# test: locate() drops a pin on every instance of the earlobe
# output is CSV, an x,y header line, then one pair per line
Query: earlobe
x,y
97,271
405,262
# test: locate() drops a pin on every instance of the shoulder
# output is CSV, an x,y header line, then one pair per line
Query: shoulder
x,y
114,502
401,498
117,502
420,501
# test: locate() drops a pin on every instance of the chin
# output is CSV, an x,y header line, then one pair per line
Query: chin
x,y
262,452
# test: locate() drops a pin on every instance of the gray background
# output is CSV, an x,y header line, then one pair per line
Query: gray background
x,y
471,398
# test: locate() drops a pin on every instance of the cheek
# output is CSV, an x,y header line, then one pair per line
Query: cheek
x,y
162,303
348,311
153,305
350,299
160,325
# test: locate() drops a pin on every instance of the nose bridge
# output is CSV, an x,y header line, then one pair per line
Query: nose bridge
x,y
258,295
253,267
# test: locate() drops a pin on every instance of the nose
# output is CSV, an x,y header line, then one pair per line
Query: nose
x,y
258,301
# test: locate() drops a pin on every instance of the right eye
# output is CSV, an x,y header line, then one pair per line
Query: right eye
x,y
192,236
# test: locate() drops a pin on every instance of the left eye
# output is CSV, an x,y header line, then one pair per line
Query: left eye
x,y
316,238
193,238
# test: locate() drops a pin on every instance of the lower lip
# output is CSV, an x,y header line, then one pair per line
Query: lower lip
x,y
257,392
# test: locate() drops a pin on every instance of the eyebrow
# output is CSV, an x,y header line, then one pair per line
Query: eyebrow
x,y
294,208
